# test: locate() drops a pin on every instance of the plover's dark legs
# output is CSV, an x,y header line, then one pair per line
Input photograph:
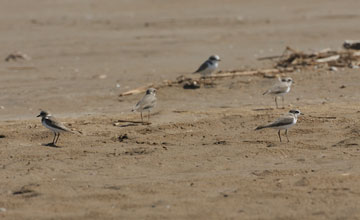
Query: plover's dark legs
x,y
276,102
148,116
54,138
141,117
279,135
282,97
286,135
57,138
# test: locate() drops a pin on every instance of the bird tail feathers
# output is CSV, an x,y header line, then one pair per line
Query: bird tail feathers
x,y
260,127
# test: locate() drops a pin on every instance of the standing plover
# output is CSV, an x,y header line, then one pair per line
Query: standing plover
x,y
209,66
54,125
283,123
146,103
280,89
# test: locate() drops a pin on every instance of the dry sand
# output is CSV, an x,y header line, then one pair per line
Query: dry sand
x,y
200,158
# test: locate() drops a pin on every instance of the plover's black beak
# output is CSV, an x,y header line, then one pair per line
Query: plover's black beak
x,y
38,116
301,113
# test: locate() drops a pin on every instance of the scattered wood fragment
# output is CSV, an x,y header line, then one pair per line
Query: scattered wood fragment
x,y
185,80
137,90
326,57
17,55
324,117
270,57
261,72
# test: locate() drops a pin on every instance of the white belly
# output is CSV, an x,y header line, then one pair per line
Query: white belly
x,y
209,70
51,128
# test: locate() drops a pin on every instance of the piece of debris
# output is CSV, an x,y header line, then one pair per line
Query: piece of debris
x,y
333,68
327,57
138,90
102,76
220,142
123,137
342,87
17,55
351,44
26,192
193,84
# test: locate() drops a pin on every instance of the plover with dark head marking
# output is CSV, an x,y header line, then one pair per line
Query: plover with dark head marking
x,y
146,103
209,66
280,89
283,123
53,124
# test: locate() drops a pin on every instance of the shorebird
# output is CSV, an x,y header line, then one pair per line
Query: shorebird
x,y
146,103
283,123
280,89
209,66
53,124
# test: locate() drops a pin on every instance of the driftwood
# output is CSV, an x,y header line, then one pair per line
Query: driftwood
x,y
327,57
17,55
191,83
137,90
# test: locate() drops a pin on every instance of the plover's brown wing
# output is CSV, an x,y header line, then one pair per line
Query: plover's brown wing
x,y
53,122
149,101
203,67
136,107
278,89
139,104
282,121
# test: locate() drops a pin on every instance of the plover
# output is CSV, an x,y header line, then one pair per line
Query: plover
x,y
280,89
53,124
146,103
284,122
209,66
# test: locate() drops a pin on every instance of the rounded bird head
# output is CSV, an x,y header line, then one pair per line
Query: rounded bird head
x,y
295,112
151,91
287,80
214,58
43,114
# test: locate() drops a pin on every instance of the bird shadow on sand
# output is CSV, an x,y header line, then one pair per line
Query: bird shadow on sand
x,y
51,145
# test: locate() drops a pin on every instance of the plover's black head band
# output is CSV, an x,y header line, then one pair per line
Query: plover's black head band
x,y
295,112
214,58
150,91
43,114
287,79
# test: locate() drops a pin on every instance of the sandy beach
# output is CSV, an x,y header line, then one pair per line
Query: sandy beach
x,y
200,157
